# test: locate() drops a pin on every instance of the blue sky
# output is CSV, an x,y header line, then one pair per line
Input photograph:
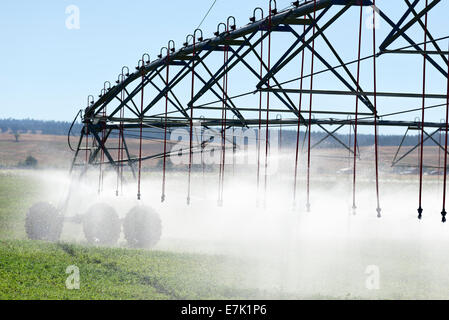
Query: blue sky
x,y
48,70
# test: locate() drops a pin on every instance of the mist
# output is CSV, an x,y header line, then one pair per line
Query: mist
x,y
273,244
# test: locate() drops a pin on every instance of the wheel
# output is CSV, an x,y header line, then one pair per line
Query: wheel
x,y
43,222
142,227
101,225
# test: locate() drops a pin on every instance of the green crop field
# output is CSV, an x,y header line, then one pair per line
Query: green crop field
x,y
37,270
31,270
412,260
17,192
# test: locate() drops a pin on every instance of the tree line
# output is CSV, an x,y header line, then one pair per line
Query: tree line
x,y
15,126
32,126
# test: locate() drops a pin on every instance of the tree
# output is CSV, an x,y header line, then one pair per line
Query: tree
x,y
31,162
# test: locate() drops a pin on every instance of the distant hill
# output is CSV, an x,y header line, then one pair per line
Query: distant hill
x,y
61,128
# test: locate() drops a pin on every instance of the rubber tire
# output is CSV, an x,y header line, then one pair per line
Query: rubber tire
x,y
142,227
43,222
101,225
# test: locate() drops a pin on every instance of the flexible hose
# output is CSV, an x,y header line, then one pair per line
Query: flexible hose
x,y
421,160
310,109
70,130
299,123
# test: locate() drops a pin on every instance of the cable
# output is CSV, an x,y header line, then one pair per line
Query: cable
x,y
207,13
260,115
376,149
70,131
355,61
268,103
354,207
312,74
443,212
87,144
120,146
140,140
299,124
420,209
103,137
165,127
191,122
223,124
310,109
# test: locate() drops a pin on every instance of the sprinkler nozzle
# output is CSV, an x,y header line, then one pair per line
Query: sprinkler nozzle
x,y
443,213
116,193
138,196
379,210
308,207
188,201
354,210
420,211
163,198
220,203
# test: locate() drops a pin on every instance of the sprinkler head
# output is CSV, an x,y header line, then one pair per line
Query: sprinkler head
x,y
116,193
354,210
188,201
220,203
138,196
379,210
163,198
443,213
420,211
308,207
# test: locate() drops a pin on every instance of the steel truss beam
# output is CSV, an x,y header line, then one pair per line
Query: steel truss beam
x,y
241,44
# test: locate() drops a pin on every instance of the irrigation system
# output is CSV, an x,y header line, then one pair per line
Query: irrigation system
x,y
278,61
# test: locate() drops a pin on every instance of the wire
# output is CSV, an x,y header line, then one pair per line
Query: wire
x,y
314,74
356,61
299,124
70,131
376,144
310,109
443,212
207,13
260,114
354,179
268,101
140,142
420,209
192,94
164,166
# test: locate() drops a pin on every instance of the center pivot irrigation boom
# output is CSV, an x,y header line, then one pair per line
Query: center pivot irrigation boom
x,y
243,78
